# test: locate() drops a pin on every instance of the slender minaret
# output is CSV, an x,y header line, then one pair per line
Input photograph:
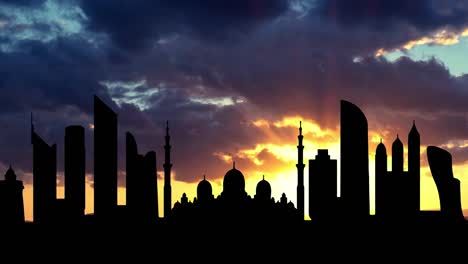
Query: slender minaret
x,y
167,174
300,174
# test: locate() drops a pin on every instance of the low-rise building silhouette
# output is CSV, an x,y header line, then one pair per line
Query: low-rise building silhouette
x,y
11,199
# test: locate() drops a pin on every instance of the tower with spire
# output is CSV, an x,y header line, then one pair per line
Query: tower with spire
x,y
300,174
414,167
167,174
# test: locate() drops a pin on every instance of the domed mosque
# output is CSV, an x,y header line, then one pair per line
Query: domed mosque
x,y
263,191
204,191
233,186
233,204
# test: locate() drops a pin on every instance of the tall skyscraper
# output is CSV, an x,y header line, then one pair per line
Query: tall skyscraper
x,y
142,196
75,171
381,185
448,187
105,160
414,165
11,199
322,187
354,162
44,178
167,175
300,174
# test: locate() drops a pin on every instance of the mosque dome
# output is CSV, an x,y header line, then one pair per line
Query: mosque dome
x,y
234,184
263,191
204,190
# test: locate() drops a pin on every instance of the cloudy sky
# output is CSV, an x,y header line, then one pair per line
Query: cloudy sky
x,y
234,78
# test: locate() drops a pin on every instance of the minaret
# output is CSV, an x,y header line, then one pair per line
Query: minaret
x,y
414,167
167,174
300,174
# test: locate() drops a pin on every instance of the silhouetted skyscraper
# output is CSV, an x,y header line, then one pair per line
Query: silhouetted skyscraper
x,y
414,165
11,199
322,186
44,178
167,175
397,156
381,184
75,171
440,163
142,199
105,159
354,161
300,174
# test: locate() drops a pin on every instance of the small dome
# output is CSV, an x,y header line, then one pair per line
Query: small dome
x,y
263,191
10,175
204,190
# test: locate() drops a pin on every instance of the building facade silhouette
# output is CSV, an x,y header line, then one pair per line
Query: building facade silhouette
x,y
381,195
448,187
323,199
11,199
75,170
414,170
397,191
141,187
354,162
105,159
44,178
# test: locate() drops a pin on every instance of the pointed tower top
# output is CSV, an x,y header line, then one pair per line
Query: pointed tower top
x,y
263,178
414,131
300,127
233,164
167,127
397,136
204,177
380,140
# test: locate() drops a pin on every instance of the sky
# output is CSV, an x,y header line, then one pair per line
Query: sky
x,y
234,78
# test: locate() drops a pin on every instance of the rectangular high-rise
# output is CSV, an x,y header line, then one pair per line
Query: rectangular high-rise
x,y
75,171
322,186
44,179
105,159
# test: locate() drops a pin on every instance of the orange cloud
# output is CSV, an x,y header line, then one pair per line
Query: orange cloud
x,y
442,37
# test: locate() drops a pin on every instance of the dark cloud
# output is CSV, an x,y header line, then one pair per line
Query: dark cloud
x,y
30,3
136,24
422,14
288,67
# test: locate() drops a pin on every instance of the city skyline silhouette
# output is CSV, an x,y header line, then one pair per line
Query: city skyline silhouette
x,y
396,199
176,113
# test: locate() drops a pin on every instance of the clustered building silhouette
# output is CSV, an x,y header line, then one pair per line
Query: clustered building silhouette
x,y
397,191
